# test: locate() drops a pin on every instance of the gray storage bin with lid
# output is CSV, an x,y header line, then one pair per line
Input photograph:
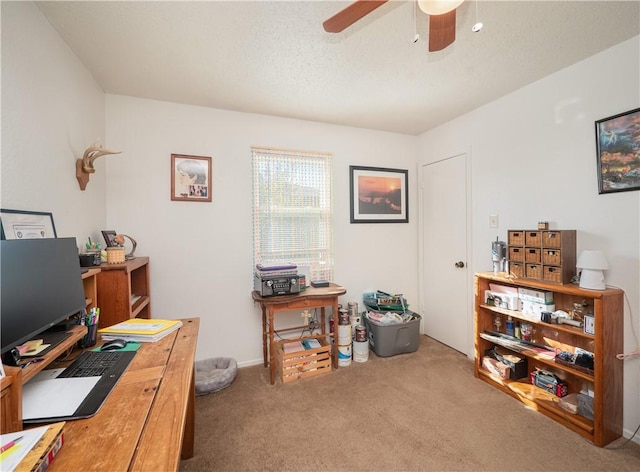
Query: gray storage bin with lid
x,y
389,340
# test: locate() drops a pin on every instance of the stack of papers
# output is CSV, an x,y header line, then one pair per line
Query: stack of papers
x,y
31,450
140,330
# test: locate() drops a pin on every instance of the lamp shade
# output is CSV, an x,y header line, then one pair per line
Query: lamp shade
x,y
592,263
438,7
592,260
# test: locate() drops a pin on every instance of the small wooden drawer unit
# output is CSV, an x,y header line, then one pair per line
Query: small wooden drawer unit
x,y
516,238
552,274
533,271
547,255
551,256
516,254
533,238
517,269
532,254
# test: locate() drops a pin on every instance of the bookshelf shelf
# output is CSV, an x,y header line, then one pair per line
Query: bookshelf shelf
x,y
123,291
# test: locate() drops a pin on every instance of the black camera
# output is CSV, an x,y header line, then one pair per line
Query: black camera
x,y
11,357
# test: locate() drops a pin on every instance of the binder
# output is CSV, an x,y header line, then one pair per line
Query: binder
x,y
140,330
44,451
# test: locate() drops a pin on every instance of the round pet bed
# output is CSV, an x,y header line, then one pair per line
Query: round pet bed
x,y
213,375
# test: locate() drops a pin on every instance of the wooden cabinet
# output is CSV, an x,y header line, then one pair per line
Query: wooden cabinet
x,y
123,291
606,378
542,254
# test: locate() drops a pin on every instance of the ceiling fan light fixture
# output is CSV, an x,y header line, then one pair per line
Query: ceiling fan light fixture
x,y
438,7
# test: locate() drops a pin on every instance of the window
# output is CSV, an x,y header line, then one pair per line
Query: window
x,y
292,210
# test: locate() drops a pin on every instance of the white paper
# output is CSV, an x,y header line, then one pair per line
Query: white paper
x,y
46,374
10,458
54,398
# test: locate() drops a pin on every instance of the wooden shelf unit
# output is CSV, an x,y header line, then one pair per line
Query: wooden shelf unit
x,y
117,284
90,284
606,381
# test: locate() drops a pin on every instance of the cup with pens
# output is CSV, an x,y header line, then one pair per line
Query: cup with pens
x,y
90,320
92,255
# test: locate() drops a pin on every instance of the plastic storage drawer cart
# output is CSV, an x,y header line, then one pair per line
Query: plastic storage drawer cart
x,y
391,339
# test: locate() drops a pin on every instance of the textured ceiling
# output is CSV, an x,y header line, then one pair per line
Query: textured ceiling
x,y
274,58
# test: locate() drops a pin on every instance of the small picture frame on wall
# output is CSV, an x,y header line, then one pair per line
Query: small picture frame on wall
x,y
21,224
190,178
379,195
618,152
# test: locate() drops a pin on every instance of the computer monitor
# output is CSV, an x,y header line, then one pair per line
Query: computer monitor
x,y
40,285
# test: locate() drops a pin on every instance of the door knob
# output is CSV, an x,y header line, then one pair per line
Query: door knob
x,y
459,264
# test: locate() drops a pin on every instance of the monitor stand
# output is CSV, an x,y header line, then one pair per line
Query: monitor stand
x,y
53,338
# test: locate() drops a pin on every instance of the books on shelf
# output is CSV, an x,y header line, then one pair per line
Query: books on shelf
x,y
31,449
282,270
295,346
140,330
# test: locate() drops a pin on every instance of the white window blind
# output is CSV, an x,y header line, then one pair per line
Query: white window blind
x,y
292,210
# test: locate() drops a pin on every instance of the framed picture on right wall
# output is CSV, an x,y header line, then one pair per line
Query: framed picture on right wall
x,y
618,152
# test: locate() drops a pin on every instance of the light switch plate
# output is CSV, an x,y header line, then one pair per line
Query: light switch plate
x,y
589,324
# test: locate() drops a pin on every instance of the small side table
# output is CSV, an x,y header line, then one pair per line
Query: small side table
x,y
312,297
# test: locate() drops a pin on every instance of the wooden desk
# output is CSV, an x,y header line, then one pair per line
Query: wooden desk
x,y
310,298
147,422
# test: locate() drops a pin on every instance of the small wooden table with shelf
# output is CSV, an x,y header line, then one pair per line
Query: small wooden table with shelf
x,y
312,297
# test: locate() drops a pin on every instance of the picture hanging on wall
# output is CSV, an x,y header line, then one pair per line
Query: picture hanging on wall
x,y
379,195
190,178
618,152
20,224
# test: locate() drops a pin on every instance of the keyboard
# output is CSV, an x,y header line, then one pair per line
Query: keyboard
x,y
108,365
95,364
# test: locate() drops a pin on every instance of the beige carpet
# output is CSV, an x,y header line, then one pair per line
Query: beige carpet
x,y
423,411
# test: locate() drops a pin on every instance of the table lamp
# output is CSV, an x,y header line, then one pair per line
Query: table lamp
x,y
592,263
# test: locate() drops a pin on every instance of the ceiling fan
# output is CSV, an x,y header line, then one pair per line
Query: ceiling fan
x,y
442,19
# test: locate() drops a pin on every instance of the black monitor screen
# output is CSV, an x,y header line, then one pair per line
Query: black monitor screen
x,y
40,285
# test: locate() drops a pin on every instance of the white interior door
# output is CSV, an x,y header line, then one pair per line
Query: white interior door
x,y
444,274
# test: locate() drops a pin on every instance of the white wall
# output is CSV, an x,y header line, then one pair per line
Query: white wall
x,y
201,253
533,158
52,110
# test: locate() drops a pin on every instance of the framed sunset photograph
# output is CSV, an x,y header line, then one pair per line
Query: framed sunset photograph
x,y
379,195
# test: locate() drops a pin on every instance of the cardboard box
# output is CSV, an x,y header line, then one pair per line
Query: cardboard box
x,y
518,368
537,296
502,300
535,309
496,367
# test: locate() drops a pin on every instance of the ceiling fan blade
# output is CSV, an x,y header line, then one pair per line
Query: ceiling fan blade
x,y
349,15
442,30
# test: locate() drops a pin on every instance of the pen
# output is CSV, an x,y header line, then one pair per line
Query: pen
x,y
10,444
34,361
